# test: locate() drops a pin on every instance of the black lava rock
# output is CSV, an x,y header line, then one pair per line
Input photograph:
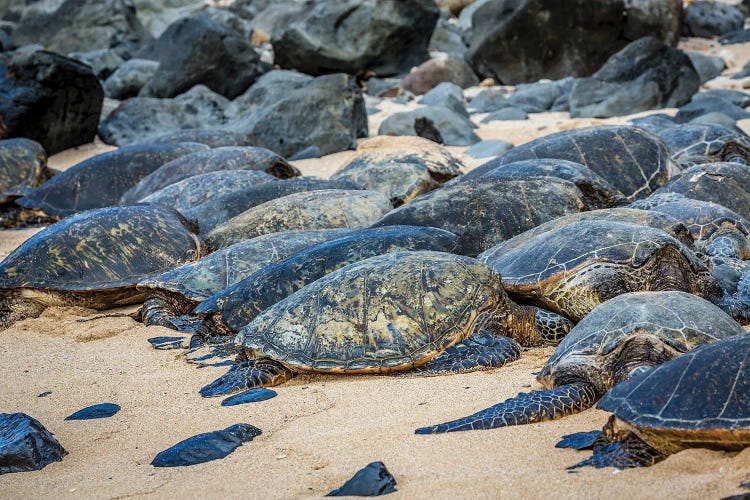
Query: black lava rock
x,y
206,447
103,410
372,481
25,444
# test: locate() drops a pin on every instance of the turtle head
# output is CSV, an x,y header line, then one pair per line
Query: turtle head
x,y
533,326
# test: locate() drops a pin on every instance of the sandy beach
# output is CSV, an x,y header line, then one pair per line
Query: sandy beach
x,y
319,430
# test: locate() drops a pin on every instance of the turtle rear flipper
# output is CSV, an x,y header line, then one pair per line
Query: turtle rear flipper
x,y
526,408
481,350
627,453
247,375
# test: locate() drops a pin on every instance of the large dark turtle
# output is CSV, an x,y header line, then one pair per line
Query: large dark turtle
x,y
222,208
93,259
631,159
620,337
389,313
572,269
727,184
198,189
486,211
227,312
226,158
400,176
99,181
177,291
326,209
694,144
698,400
597,192
211,137
23,165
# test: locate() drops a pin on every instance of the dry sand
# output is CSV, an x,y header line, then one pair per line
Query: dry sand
x,y
319,429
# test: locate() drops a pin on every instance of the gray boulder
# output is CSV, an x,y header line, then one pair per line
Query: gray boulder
x,y
537,97
486,149
659,18
448,95
387,37
707,19
488,100
130,78
200,50
647,74
447,38
104,62
270,16
436,123
506,114
703,104
708,67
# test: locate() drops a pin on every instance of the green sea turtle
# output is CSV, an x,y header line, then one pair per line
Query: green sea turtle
x,y
97,182
389,313
227,312
572,269
225,158
211,137
486,211
198,189
620,337
631,159
222,208
326,209
93,259
176,291
727,184
694,144
597,193
698,400
23,165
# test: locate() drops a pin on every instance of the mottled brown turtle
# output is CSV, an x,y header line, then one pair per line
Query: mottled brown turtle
x,y
486,211
327,209
441,164
620,337
201,162
177,291
93,259
389,313
694,144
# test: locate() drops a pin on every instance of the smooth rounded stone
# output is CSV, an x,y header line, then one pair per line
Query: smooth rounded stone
x,y
371,481
104,62
25,444
661,18
308,153
219,58
269,89
706,19
485,149
489,100
696,144
707,66
537,97
632,160
212,160
211,137
249,396
84,25
655,124
199,189
433,72
736,97
49,98
326,209
101,181
229,311
44,394
437,123
646,74
742,73
167,343
293,122
486,211
93,259
143,119
218,211
23,164
103,410
447,38
727,184
448,95
129,78
733,37
710,104
206,447
387,37
714,118
506,114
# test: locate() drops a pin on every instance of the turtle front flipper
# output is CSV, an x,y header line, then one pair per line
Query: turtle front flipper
x,y
526,408
623,454
158,310
481,350
533,326
247,375
15,308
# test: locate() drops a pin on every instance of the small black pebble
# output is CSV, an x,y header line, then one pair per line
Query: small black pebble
x,y
167,342
25,444
206,447
44,394
579,440
249,396
374,480
104,410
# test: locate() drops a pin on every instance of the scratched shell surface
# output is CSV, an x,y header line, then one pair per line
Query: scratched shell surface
x,y
388,311
105,248
22,164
